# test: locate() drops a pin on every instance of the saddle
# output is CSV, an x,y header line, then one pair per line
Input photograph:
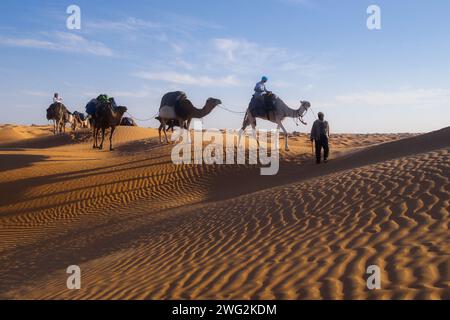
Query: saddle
x,y
262,106
91,107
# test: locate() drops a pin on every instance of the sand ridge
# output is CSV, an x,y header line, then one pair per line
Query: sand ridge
x,y
143,228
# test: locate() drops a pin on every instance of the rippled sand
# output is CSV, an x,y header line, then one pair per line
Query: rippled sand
x,y
141,227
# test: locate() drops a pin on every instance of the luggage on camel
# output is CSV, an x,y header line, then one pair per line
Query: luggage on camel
x,y
261,106
103,98
79,115
170,104
92,105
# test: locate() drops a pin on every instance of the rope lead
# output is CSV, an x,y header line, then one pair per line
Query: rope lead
x,y
137,119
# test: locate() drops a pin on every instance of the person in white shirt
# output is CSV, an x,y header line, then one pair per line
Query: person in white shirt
x,y
57,98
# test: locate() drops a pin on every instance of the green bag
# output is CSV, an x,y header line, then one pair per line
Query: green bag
x,y
103,98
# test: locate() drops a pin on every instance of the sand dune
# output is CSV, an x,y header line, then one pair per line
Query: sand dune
x,y
142,228
9,132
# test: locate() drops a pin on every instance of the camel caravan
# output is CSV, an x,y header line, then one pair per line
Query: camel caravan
x,y
61,116
175,110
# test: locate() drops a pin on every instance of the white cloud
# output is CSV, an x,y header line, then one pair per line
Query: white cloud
x,y
61,41
189,79
243,56
167,22
140,93
296,2
130,24
34,93
228,62
404,97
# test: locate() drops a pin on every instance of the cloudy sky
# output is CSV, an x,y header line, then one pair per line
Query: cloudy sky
x,y
391,80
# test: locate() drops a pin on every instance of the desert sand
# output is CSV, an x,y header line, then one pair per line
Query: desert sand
x,y
141,227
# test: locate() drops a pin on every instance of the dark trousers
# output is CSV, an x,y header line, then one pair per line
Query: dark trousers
x,y
322,142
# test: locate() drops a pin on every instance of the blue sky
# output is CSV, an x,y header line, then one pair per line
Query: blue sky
x,y
391,80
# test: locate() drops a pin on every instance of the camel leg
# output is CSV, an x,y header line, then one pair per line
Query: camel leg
x,y
245,124
163,124
110,138
165,135
159,132
286,147
185,125
277,142
254,133
96,132
97,137
103,138
241,131
94,135
252,121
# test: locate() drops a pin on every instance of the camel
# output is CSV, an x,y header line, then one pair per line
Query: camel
x,y
60,116
128,122
171,124
184,112
106,117
78,120
281,112
85,123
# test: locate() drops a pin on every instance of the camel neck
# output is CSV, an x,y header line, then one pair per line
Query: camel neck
x,y
288,111
200,113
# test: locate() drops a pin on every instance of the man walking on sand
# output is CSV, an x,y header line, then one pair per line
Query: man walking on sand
x,y
320,133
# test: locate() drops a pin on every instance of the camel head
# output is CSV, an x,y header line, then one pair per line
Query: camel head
x,y
304,106
213,102
121,109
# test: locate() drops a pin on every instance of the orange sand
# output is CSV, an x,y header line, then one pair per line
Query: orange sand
x,y
142,228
